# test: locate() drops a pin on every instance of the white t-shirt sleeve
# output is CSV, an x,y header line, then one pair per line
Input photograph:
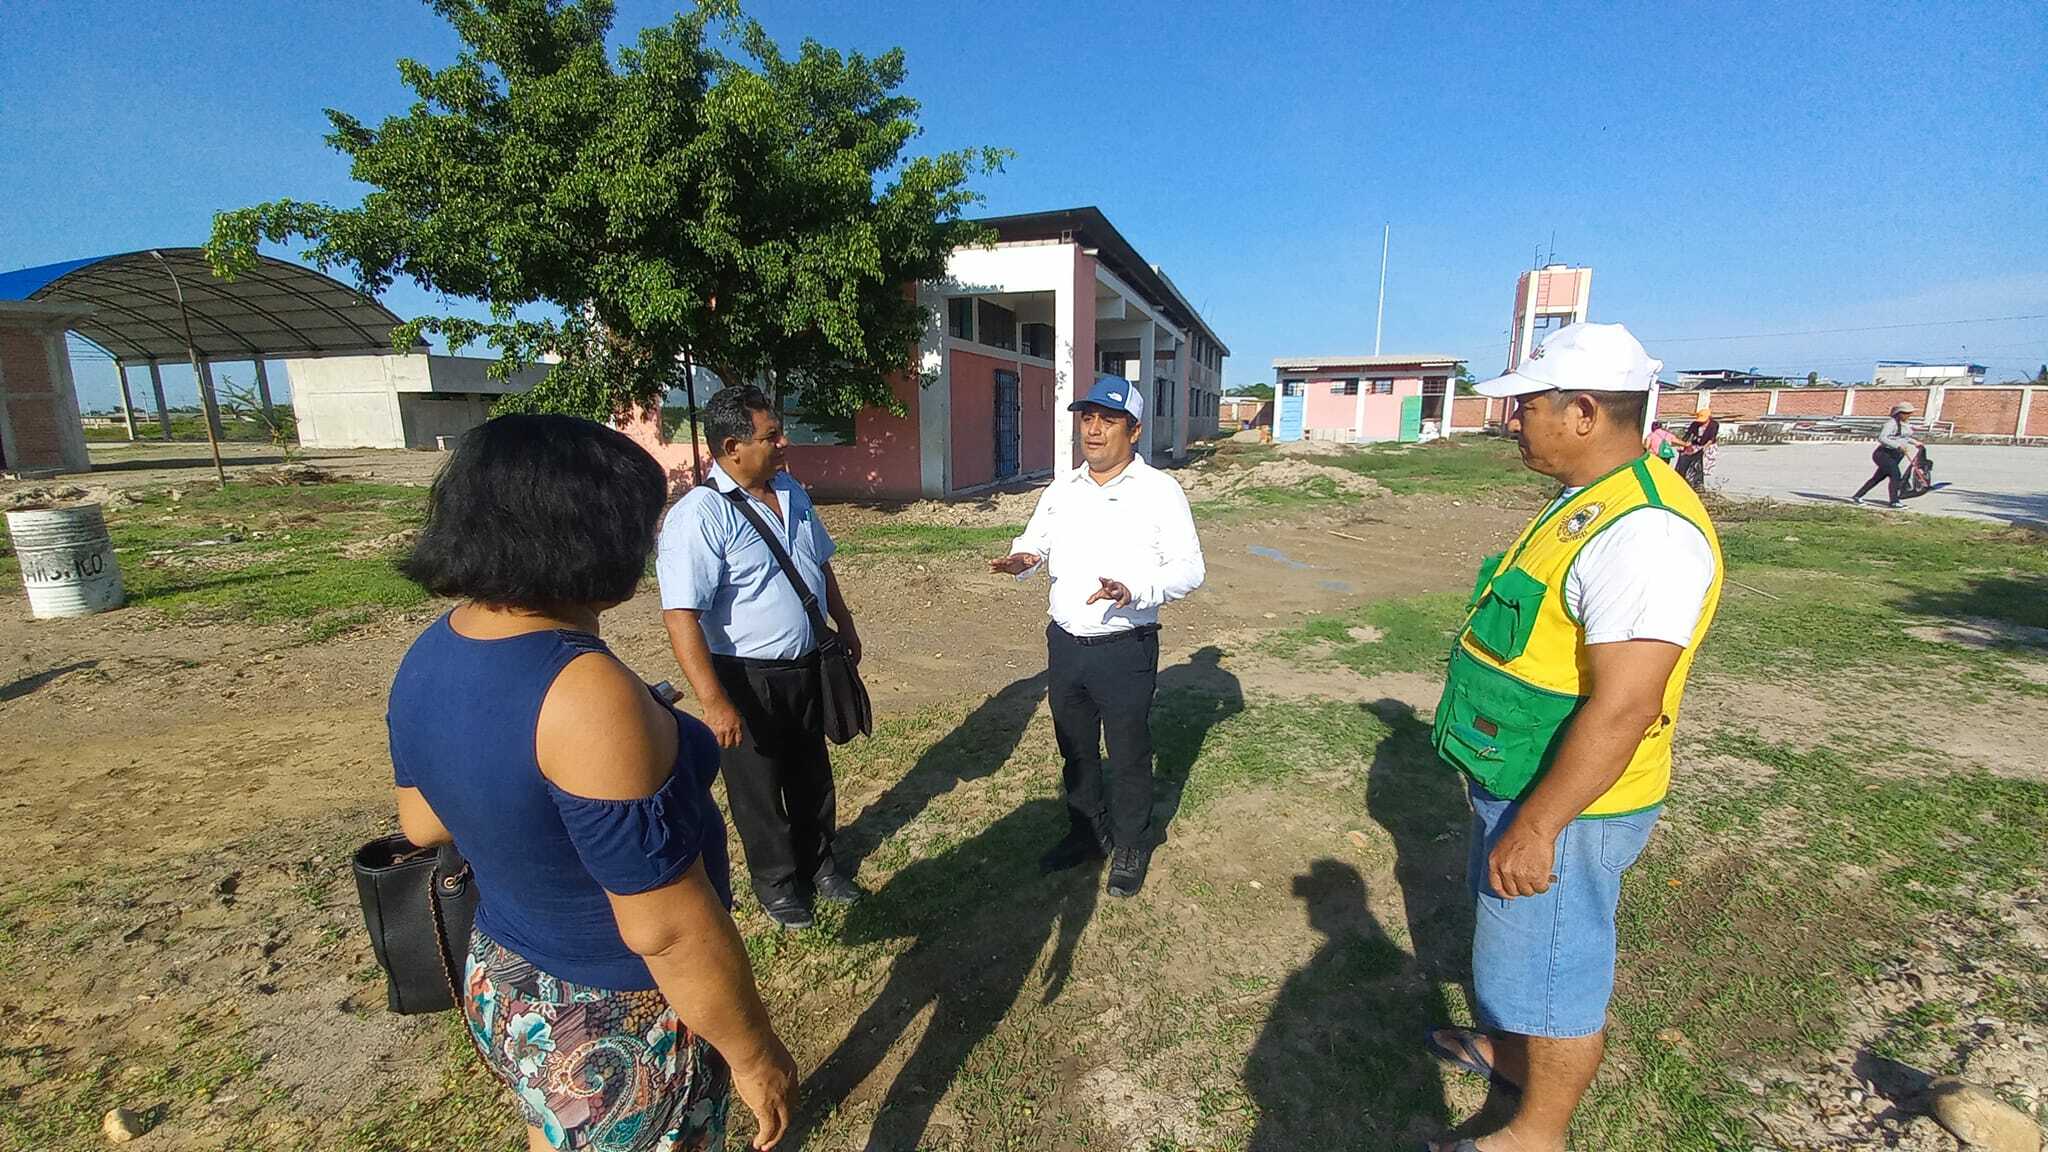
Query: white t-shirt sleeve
x,y
1644,578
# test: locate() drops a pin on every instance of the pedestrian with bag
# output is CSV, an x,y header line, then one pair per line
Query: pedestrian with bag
x,y
1895,445
605,982
1118,541
744,564
1559,711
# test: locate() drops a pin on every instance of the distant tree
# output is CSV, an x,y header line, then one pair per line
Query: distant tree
x,y
280,427
1813,379
1252,391
1466,385
751,210
2041,377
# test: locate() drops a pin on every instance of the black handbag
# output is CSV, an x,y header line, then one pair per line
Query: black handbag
x,y
418,904
847,709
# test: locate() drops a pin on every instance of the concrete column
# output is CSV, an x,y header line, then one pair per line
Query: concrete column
x,y
156,385
127,402
2026,409
1771,409
1936,393
1848,401
1184,406
262,385
1147,385
209,404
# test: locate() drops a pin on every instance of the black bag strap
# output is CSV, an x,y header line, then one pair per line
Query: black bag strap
x,y
803,591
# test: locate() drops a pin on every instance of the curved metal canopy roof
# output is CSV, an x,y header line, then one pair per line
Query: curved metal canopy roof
x,y
276,309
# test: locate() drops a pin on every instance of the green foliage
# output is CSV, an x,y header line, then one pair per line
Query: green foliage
x,y
1255,391
683,198
1464,383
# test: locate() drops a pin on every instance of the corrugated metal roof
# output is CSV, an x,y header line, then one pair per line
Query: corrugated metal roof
x,y
276,308
1319,363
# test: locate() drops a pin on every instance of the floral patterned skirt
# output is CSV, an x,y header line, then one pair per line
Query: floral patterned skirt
x,y
594,1068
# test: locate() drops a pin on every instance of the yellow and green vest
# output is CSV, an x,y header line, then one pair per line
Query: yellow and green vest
x,y
1518,671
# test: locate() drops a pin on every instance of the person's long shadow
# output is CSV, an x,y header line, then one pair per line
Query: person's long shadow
x,y
980,915
1325,1072
980,745
1420,802
1192,699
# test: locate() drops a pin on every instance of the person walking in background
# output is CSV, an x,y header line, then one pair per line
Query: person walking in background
x,y
1559,708
1661,442
1119,541
1895,444
743,637
1696,455
606,984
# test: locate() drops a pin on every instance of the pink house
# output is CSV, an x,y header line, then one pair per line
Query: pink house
x,y
1058,297
1360,399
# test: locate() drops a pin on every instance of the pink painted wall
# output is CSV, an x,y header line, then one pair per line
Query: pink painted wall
x,y
974,415
881,464
1082,325
1328,409
1383,413
1036,395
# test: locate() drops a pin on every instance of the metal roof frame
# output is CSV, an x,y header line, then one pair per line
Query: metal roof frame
x,y
276,309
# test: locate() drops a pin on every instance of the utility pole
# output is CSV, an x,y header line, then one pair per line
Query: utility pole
x,y
1386,237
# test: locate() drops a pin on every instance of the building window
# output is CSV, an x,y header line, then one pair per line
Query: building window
x,y
1290,387
960,317
997,325
1383,387
1038,341
1345,387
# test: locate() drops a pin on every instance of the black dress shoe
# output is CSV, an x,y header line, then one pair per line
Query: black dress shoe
x,y
1127,870
834,888
1080,846
790,912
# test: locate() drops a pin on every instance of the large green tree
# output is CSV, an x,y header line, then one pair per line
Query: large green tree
x,y
699,193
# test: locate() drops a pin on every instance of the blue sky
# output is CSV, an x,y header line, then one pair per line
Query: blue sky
x,y
1728,171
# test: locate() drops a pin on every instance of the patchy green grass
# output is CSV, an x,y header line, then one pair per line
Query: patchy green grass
x,y
1479,467
1407,635
893,538
321,555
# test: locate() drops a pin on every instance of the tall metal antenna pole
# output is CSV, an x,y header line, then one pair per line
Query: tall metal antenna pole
x,y
1379,322
209,407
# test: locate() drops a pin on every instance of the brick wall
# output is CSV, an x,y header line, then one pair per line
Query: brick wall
x,y
1983,411
31,399
1470,412
1810,402
1879,401
2037,414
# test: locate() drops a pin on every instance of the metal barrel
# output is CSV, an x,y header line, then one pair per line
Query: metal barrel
x,y
67,560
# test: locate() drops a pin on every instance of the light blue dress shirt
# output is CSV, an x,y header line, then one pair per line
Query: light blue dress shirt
x,y
711,561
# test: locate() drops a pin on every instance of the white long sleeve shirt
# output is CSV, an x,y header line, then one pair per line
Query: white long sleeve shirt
x,y
1136,530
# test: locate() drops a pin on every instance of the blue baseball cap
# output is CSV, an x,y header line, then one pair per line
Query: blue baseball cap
x,y
1116,394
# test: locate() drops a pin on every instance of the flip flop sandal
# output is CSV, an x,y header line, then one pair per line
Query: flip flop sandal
x,y
1466,1055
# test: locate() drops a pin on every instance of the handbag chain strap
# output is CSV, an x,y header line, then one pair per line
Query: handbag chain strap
x,y
448,958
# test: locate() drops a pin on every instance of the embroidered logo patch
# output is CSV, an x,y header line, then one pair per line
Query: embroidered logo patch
x,y
1575,526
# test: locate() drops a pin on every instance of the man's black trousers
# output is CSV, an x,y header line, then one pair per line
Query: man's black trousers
x,y
1101,694
778,781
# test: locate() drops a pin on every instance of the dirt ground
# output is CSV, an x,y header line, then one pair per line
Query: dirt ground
x,y
180,797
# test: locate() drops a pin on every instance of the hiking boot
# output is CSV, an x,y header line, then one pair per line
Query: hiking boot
x,y
790,913
834,888
1127,870
1082,845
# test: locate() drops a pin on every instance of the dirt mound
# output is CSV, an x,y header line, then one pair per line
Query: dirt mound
x,y
986,511
1212,484
1313,448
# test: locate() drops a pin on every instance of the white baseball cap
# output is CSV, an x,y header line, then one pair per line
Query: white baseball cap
x,y
1581,358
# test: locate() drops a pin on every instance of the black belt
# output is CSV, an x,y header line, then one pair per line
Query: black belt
x,y
1109,637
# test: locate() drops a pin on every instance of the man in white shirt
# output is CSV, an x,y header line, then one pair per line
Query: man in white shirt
x,y
1118,541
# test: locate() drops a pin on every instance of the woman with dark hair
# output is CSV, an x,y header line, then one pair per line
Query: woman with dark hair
x,y
606,983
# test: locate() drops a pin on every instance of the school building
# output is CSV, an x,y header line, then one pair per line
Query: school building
x,y
1363,399
1019,328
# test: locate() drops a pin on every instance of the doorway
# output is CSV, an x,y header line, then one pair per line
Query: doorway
x,y
1008,427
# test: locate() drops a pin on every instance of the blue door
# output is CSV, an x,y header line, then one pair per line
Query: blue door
x,y
1289,411
1007,430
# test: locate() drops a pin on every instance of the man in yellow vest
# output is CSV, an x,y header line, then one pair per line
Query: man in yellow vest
x,y
1563,690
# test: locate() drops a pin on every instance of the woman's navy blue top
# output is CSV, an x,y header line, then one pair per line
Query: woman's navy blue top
x,y
462,719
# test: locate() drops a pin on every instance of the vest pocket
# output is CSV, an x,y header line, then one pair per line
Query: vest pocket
x,y
1506,617
1496,729
1487,568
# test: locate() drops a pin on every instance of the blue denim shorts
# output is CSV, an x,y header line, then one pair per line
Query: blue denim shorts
x,y
1544,965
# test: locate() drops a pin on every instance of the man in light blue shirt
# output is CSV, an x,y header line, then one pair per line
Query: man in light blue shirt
x,y
746,646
